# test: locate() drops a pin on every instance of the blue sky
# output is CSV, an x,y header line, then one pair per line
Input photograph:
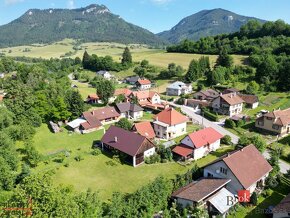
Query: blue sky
x,y
155,15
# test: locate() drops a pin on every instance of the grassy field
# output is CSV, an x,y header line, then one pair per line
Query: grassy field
x,y
156,57
100,172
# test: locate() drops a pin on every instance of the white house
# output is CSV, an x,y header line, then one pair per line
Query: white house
x,y
246,168
129,110
169,124
228,104
198,144
178,88
143,84
105,74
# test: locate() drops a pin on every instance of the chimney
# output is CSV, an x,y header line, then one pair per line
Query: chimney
x,y
116,139
185,102
231,95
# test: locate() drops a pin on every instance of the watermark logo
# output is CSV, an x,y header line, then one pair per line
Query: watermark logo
x,y
17,208
243,196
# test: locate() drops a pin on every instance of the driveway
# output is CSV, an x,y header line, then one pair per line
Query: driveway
x,y
205,122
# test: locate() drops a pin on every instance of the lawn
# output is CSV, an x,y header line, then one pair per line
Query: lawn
x,y
100,173
84,88
156,57
271,101
276,195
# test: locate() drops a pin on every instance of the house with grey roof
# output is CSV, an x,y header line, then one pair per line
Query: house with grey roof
x,y
130,110
105,74
178,88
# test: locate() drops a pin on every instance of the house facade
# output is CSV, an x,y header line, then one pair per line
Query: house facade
x,y
105,74
228,104
106,115
251,101
143,84
169,124
134,146
178,88
277,122
130,110
93,99
246,168
198,144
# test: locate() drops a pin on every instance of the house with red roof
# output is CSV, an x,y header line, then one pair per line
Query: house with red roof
x,y
169,124
143,84
198,144
93,99
247,169
133,146
124,91
148,99
145,129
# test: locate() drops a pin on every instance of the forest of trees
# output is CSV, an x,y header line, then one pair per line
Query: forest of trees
x,y
267,44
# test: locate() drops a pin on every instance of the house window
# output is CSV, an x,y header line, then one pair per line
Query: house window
x,y
260,123
223,170
275,127
209,175
182,130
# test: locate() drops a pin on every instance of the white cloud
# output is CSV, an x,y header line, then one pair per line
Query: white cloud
x,y
71,4
11,2
160,2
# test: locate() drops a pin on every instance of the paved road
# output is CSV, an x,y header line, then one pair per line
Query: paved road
x,y
205,122
284,166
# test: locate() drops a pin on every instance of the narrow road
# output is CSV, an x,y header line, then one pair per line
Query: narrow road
x,y
284,166
205,122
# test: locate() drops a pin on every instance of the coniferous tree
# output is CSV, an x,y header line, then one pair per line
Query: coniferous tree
x,y
127,57
86,60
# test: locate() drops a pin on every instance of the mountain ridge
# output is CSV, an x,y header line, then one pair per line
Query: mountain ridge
x,y
205,23
91,23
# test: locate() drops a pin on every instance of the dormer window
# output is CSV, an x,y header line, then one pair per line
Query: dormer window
x,y
223,170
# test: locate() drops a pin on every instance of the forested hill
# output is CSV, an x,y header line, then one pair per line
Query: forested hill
x,y
93,23
254,37
206,23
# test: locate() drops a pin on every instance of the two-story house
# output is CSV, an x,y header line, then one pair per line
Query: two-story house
x,y
198,144
178,88
228,104
148,99
143,84
130,110
169,124
246,168
277,122
208,95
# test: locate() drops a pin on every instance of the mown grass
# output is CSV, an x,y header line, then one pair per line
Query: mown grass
x,y
156,57
100,173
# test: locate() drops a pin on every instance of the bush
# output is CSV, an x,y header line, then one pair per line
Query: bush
x,y
226,140
240,123
96,152
79,158
155,158
254,199
267,192
213,117
230,123
66,164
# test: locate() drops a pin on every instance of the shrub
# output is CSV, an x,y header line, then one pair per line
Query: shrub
x,y
96,152
79,158
211,116
254,199
66,164
155,158
266,193
226,140
230,123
